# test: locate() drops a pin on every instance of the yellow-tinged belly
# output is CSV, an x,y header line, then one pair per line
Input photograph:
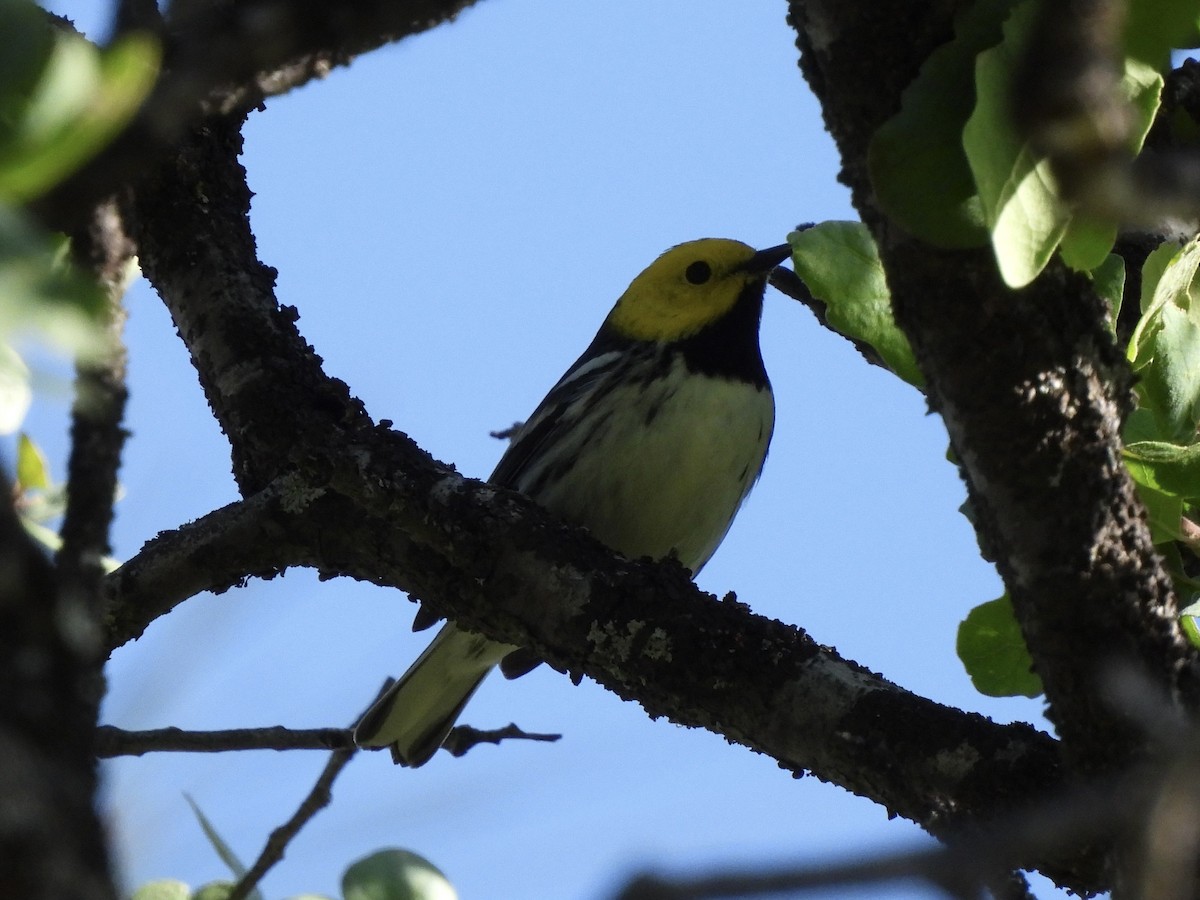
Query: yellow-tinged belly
x,y
666,470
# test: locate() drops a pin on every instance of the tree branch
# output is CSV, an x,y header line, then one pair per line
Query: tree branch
x,y
368,503
502,566
112,741
51,843
214,553
97,436
225,58
223,303
318,798
1031,376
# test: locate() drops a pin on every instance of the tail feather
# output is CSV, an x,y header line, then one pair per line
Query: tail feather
x,y
418,711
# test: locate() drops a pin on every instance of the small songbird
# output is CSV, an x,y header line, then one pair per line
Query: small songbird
x,y
652,440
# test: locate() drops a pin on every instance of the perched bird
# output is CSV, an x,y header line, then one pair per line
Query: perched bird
x,y
652,440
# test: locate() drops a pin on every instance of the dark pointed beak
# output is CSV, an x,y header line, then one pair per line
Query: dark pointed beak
x,y
766,260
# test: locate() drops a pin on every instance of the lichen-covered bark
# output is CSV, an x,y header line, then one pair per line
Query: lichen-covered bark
x,y
1029,385
244,345
52,845
1033,392
363,501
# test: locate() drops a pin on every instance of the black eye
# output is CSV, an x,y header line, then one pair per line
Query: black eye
x,y
698,272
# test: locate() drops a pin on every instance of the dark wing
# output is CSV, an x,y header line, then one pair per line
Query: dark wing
x,y
606,357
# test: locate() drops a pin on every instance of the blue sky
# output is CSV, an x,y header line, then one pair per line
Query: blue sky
x,y
453,217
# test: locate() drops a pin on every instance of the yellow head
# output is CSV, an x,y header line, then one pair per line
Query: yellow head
x,y
690,286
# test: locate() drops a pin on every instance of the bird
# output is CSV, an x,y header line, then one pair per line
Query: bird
x,y
651,440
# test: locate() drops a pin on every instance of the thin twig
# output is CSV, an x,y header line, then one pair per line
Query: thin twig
x,y
463,737
318,798
111,741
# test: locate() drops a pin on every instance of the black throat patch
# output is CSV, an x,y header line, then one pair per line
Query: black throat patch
x,y
728,347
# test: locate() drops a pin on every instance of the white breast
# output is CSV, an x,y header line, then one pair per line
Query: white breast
x,y
667,469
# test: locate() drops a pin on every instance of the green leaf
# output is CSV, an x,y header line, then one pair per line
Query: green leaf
x,y
28,43
1087,242
162,889
1108,279
1141,87
840,265
994,653
1024,215
33,472
1188,622
1016,186
396,875
1165,346
1164,512
1172,468
218,843
1153,270
1140,426
1172,381
40,294
214,890
916,159
82,99
15,392
1164,507
1153,28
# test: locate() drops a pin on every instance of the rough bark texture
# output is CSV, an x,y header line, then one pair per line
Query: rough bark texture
x,y
221,57
51,843
1033,392
51,636
222,299
1029,383
351,498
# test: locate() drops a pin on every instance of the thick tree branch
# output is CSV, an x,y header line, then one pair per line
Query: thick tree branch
x,y
1034,376
1033,393
222,299
226,57
97,435
500,565
51,843
368,503
213,553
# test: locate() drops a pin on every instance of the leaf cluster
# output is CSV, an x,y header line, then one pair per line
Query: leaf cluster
x,y
954,169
